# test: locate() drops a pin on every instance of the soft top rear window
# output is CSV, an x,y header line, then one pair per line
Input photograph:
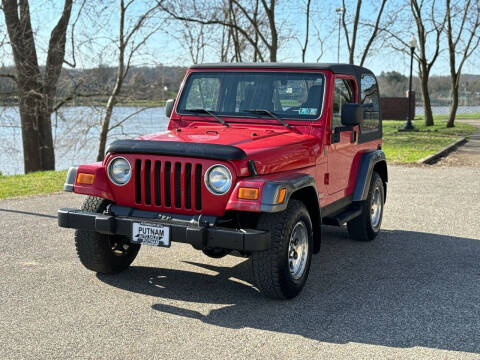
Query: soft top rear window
x,y
289,95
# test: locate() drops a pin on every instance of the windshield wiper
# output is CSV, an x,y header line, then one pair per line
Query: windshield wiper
x,y
211,113
269,113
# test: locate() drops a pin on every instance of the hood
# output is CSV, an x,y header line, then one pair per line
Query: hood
x,y
277,149
235,136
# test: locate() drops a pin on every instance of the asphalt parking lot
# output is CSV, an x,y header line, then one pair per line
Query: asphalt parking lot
x,y
412,293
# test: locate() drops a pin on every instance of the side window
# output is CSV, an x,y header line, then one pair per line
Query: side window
x,y
369,98
203,94
343,94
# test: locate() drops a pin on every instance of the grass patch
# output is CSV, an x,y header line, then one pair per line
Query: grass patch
x,y
41,182
411,146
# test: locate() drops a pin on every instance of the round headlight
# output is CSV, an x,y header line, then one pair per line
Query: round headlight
x,y
119,171
218,179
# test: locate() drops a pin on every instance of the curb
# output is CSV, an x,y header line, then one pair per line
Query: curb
x,y
432,159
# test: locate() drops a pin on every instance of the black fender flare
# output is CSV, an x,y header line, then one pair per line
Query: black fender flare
x,y
298,186
368,162
291,182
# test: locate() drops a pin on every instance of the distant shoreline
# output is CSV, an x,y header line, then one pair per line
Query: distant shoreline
x,y
133,103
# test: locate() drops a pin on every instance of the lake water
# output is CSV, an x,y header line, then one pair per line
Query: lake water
x,y
438,110
76,131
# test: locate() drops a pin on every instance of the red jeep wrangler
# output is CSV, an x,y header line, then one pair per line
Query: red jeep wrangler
x,y
255,159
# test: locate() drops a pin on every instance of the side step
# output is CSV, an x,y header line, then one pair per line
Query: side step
x,y
343,217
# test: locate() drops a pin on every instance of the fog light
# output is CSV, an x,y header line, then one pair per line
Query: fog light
x,y
248,193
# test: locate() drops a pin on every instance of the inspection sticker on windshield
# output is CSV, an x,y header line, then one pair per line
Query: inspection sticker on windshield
x,y
150,234
307,111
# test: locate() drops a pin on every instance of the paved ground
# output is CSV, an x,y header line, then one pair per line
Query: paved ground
x,y
468,154
413,293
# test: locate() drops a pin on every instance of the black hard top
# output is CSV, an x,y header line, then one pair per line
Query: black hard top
x,y
335,68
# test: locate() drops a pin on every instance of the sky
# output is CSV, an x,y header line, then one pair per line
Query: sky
x,y
97,26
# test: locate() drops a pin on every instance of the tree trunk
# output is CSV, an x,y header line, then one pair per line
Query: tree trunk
x,y
351,55
118,83
109,108
270,12
105,128
36,94
453,105
427,105
29,106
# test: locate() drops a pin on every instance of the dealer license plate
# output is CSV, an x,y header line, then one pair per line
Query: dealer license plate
x,y
150,234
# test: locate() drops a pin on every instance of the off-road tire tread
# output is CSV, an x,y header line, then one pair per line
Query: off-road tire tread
x,y
360,228
264,263
92,249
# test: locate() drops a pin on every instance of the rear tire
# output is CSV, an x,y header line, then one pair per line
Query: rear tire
x,y
107,254
366,226
282,270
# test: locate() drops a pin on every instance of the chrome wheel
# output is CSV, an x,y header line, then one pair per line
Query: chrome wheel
x,y
298,250
376,207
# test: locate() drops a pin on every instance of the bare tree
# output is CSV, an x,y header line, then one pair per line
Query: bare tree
x,y
251,22
307,29
429,24
351,36
130,40
196,41
36,91
466,16
437,24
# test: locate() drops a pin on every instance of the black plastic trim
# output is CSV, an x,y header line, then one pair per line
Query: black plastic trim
x,y
252,167
364,173
348,214
178,148
196,230
336,207
333,67
292,183
70,179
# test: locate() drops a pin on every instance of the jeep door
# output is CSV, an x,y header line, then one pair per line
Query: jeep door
x,y
341,151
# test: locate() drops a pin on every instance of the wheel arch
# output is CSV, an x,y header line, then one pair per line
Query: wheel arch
x,y
300,187
308,196
381,168
369,162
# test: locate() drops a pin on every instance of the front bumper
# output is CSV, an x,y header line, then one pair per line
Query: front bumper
x,y
185,229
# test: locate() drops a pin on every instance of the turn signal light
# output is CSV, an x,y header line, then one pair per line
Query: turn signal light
x,y
86,179
281,195
248,193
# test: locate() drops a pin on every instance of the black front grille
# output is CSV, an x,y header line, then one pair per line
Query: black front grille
x,y
168,184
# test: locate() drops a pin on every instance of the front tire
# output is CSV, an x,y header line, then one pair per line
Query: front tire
x,y
366,226
106,254
282,270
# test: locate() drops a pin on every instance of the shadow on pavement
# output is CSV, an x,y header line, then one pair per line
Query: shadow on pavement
x,y
404,289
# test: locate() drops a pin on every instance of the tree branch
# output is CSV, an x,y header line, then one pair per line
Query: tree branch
x,y
9,76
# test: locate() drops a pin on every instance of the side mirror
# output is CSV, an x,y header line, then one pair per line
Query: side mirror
x,y
352,114
169,107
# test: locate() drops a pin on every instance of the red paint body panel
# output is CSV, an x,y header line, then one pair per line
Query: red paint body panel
x,y
274,149
100,187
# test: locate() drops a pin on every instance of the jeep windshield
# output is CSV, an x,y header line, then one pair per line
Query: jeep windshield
x,y
288,95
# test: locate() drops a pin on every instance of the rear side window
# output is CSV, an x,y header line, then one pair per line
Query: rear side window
x,y
343,94
370,128
369,98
